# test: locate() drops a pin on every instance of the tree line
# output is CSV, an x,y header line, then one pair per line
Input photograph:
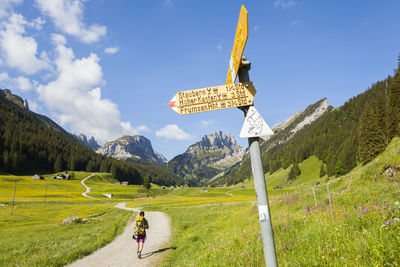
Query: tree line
x,y
28,145
342,138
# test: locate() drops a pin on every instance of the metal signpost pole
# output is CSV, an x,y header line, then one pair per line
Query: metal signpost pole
x,y
259,184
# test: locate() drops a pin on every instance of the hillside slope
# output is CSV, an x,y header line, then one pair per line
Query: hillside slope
x,y
282,133
341,138
32,144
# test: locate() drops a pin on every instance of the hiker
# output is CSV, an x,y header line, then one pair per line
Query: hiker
x,y
140,232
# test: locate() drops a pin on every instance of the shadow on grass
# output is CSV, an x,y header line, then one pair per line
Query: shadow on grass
x,y
146,255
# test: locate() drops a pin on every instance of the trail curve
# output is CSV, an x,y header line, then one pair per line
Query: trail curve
x,y
122,251
87,187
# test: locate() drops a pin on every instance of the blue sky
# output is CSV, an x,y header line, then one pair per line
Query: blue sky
x,y
108,68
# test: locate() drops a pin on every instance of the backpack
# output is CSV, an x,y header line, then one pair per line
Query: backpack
x,y
140,226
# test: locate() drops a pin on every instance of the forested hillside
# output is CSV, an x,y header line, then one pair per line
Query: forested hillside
x,y
343,137
28,145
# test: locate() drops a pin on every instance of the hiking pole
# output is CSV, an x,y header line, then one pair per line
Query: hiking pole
x,y
259,183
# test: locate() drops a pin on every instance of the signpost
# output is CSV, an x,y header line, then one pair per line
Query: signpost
x,y
242,32
259,180
238,95
213,98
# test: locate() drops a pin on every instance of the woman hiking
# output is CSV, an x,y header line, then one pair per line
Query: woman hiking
x,y
140,232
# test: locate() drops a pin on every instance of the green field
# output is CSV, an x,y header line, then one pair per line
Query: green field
x,y
217,226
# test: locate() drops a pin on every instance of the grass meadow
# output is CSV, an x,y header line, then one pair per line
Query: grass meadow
x,y
34,236
362,228
218,227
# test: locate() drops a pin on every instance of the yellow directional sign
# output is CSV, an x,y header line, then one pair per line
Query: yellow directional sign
x,y
238,46
213,98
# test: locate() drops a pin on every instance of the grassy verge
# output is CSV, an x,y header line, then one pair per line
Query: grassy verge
x,y
223,235
361,229
34,236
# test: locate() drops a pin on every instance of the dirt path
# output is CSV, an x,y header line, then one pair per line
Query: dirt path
x,y
122,251
87,187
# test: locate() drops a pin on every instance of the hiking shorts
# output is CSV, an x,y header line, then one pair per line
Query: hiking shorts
x,y
140,238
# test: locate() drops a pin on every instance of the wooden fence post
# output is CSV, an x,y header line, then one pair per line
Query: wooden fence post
x,y
45,194
12,205
329,195
315,198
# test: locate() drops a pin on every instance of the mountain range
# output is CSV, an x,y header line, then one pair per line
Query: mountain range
x,y
90,143
339,137
132,148
30,142
208,157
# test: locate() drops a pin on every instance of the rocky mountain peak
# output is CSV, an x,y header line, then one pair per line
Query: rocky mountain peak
x,y
214,141
90,143
132,148
23,104
213,154
217,139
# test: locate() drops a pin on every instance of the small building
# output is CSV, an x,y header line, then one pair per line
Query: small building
x,y
124,183
38,177
60,176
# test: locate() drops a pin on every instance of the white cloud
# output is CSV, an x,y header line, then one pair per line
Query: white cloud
x,y
67,15
6,6
219,47
205,124
20,51
58,39
111,50
37,23
24,84
172,131
256,28
284,3
143,129
75,100
34,106
297,22
20,83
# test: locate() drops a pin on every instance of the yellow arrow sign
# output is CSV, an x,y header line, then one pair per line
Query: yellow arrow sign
x,y
213,98
242,33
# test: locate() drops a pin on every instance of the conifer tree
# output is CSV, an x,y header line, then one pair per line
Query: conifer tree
x,y
58,165
393,126
294,172
113,170
90,167
71,163
146,182
322,171
371,138
104,166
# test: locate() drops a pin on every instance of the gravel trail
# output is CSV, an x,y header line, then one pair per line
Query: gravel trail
x,y
122,251
87,187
